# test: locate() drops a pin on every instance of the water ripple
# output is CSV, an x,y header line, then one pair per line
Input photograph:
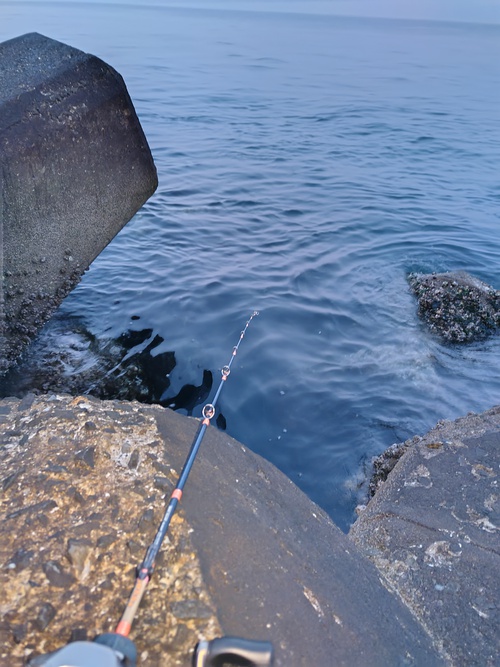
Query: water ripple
x,y
304,171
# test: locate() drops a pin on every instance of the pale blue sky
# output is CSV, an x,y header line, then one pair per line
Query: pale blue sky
x,y
447,10
475,11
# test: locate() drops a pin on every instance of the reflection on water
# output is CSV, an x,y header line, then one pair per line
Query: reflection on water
x,y
67,358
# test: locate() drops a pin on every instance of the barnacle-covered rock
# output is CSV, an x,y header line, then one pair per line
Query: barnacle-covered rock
x,y
456,306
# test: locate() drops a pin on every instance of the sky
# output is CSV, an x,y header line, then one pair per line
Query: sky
x,y
482,11
447,10
474,11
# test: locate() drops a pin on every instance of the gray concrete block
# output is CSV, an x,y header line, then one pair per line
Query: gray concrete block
x,y
433,531
75,166
277,567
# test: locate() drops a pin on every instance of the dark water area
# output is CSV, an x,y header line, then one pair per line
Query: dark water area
x,y
306,164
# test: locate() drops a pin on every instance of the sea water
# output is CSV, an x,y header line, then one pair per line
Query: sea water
x,y
306,164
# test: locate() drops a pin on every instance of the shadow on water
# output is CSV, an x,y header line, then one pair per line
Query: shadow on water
x,y
190,395
67,358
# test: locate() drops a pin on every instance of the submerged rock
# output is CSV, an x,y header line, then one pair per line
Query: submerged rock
x,y
67,358
456,306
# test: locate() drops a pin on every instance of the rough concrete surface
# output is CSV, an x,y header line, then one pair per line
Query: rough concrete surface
x,y
433,531
278,568
82,489
74,168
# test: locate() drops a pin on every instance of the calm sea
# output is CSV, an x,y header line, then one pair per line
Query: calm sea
x,y
306,163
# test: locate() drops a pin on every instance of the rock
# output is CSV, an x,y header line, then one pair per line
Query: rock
x,y
10,479
186,609
74,167
79,552
382,465
45,615
66,358
86,456
247,553
21,559
456,306
56,574
433,531
134,459
162,483
279,569
78,635
19,632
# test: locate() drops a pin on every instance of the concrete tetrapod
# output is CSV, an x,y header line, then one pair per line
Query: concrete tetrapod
x,y
433,531
74,168
84,484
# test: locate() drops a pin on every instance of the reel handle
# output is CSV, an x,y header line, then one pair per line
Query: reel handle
x,y
233,651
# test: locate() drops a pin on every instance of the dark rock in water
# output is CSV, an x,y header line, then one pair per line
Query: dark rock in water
x,y
66,357
130,338
221,422
155,369
456,306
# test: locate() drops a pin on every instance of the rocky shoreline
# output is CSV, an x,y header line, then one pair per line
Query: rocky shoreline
x,y
83,486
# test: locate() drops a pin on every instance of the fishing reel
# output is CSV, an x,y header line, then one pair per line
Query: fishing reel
x,y
233,651
113,650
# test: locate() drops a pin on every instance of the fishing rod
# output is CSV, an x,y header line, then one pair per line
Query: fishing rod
x,y
115,649
146,569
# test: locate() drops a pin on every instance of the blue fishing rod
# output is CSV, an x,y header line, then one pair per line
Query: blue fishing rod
x,y
146,569
115,649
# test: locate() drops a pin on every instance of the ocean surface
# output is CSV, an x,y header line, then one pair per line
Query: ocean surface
x,y
306,165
